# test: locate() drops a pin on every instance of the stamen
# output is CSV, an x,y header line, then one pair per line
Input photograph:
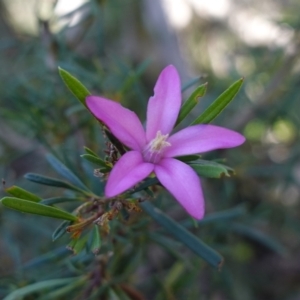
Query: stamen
x,y
154,149
159,142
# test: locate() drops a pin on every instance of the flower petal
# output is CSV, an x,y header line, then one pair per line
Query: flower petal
x,y
183,183
122,122
129,170
164,106
202,138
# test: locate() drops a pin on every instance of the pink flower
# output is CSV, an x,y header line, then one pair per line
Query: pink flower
x,y
153,150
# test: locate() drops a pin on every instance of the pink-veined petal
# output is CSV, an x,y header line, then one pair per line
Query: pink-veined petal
x,y
122,122
128,171
183,183
202,138
164,106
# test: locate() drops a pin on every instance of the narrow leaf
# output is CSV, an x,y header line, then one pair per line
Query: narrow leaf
x,y
219,104
225,215
47,258
65,172
89,151
74,85
122,293
96,160
52,182
65,291
78,244
147,183
219,217
74,109
260,237
60,230
184,236
35,287
187,158
211,169
173,246
191,102
141,68
22,194
96,240
36,208
190,83
55,200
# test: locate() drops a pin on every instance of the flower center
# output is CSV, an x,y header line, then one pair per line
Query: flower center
x,y
154,149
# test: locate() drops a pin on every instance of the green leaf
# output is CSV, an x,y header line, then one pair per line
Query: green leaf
x,y
211,169
187,158
141,68
60,230
74,109
117,293
36,208
112,295
22,194
219,217
191,102
183,235
219,104
190,83
74,85
148,182
96,160
225,215
77,245
64,292
89,151
96,240
80,245
260,237
55,200
45,259
61,169
176,272
171,245
35,287
52,182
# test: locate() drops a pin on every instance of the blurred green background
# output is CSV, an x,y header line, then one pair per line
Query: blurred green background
x,y
117,49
